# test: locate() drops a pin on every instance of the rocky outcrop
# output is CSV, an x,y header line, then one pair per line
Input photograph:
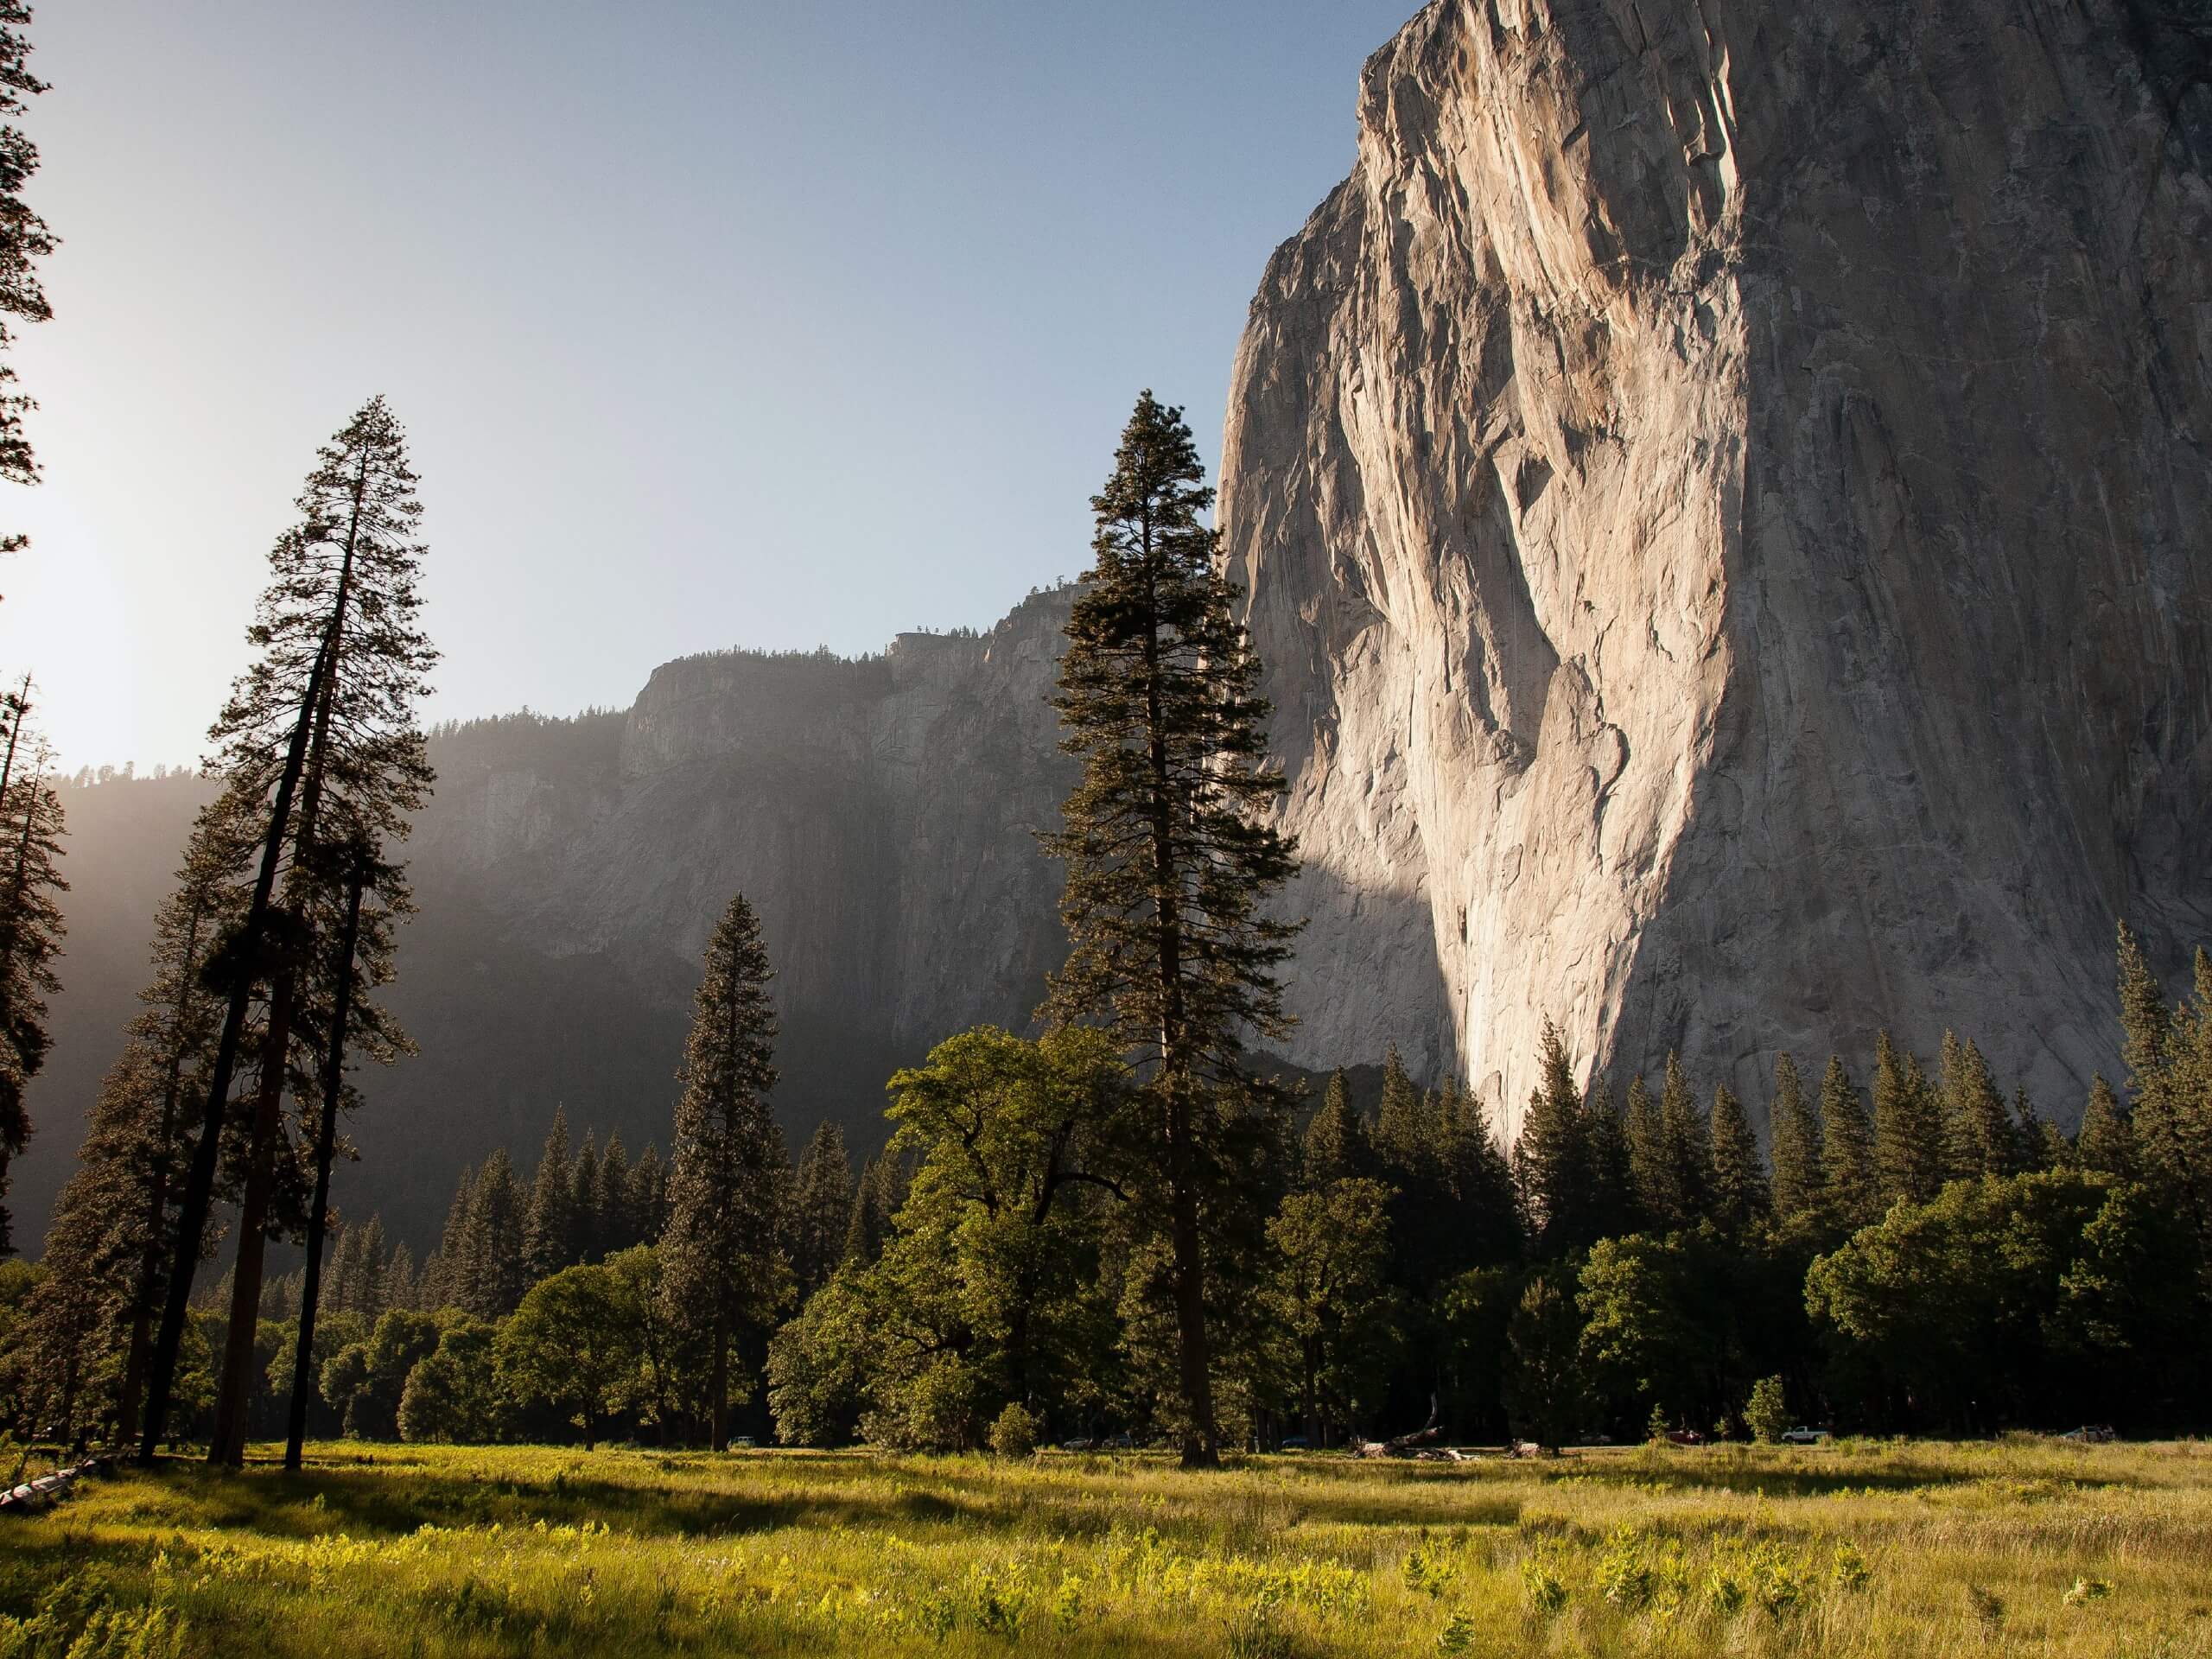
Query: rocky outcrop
x,y
1722,490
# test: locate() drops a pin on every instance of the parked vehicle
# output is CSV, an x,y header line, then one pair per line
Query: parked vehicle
x,y
1077,1444
1293,1443
2091,1434
1684,1437
1804,1437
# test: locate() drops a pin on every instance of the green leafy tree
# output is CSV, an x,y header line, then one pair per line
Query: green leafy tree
x,y
723,1274
2004,1301
1847,1149
572,1344
1794,1134
1169,862
455,1394
362,1381
1331,1291
1912,1143
820,1363
1547,1393
1766,1413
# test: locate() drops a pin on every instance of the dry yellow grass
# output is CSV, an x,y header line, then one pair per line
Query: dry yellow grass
x,y
1861,1549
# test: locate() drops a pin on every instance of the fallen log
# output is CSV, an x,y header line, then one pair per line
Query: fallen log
x,y
1400,1446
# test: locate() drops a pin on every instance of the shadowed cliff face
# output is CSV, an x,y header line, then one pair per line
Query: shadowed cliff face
x,y
1721,490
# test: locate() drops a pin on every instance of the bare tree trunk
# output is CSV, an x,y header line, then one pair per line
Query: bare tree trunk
x,y
199,1179
227,1443
326,1149
718,1391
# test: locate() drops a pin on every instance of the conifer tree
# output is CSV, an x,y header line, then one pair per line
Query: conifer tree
x,y
492,1239
1686,1143
1485,1217
586,1238
1985,1141
2106,1145
1168,861
1614,1206
649,1196
1912,1145
1847,1150
1401,1127
24,239
318,743
1553,1160
822,1209
1793,1137
1335,1146
2168,1056
549,1224
30,925
722,1274
1651,1182
449,1274
1740,1193
614,1213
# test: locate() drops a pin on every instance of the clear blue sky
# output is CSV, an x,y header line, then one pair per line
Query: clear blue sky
x,y
713,323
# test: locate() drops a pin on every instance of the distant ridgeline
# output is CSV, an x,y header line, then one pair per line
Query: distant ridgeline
x,y
879,812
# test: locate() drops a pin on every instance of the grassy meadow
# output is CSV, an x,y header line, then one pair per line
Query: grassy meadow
x,y
2023,1545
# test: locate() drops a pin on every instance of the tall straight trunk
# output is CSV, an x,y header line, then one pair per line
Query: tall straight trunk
x,y
199,1179
718,1390
226,1445
325,1146
1194,1367
157,1201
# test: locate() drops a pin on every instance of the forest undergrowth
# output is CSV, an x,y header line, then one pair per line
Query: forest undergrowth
x,y
1862,1547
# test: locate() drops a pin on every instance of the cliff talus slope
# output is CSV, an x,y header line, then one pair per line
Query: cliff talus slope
x,y
1722,490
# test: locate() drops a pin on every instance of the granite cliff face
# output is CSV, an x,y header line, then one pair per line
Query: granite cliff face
x,y
1722,490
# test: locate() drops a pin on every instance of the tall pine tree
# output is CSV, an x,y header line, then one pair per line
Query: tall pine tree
x,y
1740,1193
318,745
1169,861
1554,1161
1912,1143
722,1276
30,928
549,1224
1984,1139
1793,1137
822,1209
1847,1149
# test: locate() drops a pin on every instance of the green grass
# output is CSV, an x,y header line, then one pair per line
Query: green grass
x,y
1861,1549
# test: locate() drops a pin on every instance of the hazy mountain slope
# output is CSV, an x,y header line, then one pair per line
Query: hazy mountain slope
x,y
880,814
